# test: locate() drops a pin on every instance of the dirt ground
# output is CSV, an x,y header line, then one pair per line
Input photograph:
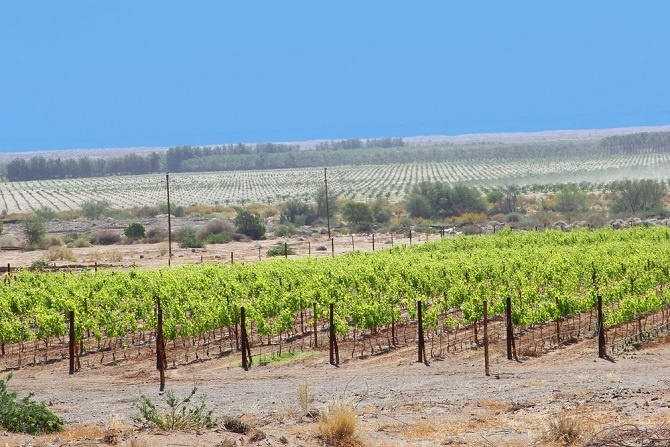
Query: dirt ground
x,y
399,402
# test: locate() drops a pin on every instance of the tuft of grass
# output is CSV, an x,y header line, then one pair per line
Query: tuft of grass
x,y
56,253
338,425
569,428
181,412
305,396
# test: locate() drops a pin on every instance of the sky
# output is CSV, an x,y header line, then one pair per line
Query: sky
x,y
95,74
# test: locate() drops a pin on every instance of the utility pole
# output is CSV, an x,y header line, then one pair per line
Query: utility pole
x,y
167,184
325,184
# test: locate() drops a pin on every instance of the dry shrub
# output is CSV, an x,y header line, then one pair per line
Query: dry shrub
x,y
338,425
80,242
163,248
569,428
75,432
215,226
59,253
305,396
108,255
198,210
106,237
52,240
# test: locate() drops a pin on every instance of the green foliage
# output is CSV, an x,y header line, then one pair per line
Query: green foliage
x,y
287,229
34,229
570,200
46,213
297,213
359,215
25,415
217,238
320,198
249,224
381,209
443,200
94,209
181,413
280,250
638,197
187,238
134,231
175,210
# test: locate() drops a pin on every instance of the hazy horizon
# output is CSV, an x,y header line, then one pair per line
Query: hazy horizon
x,y
83,75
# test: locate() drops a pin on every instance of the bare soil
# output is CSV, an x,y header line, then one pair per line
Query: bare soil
x,y
398,401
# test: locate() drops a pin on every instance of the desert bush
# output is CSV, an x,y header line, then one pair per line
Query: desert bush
x,y
25,415
181,412
284,230
214,226
33,229
135,231
80,242
338,425
59,253
471,229
220,238
51,240
107,237
155,235
187,238
249,224
305,396
280,250
569,429
46,213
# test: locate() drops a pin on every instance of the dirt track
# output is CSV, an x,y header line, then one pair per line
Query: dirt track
x,y
399,401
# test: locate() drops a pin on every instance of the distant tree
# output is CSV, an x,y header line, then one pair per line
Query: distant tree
x,y
320,198
418,205
249,224
93,209
297,213
571,200
359,215
135,231
381,209
34,229
638,196
510,199
46,213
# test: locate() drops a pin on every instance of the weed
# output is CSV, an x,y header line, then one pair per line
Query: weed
x,y
180,415
305,396
25,415
338,426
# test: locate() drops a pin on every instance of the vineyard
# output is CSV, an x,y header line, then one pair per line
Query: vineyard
x,y
392,181
553,279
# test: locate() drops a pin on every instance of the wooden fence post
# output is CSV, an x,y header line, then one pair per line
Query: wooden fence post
x,y
510,330
422,345
160,348
486,339
601,330
72,341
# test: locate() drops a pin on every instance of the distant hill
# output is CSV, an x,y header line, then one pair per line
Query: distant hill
x,y
510,137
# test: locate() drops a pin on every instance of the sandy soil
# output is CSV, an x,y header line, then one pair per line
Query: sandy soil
x,y
399,402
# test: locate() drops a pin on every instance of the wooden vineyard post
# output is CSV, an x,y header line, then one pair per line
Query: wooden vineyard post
x,y
160,348
72,341
259,253
334,352
232,256
422,344
558,323
246,349
373,242
95,267
410,236
332,246
309,249
601,330
510,329
486,339
353,245
315,324
286,250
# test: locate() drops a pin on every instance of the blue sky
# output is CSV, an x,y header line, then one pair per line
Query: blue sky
x,y
84,74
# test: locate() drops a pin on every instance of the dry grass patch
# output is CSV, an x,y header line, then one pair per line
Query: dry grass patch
x,y
569,428
338,425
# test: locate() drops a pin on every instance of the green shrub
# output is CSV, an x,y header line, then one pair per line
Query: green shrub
x,y
134,231
286,230
220,238
107,237
280,250
25,415
181,413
